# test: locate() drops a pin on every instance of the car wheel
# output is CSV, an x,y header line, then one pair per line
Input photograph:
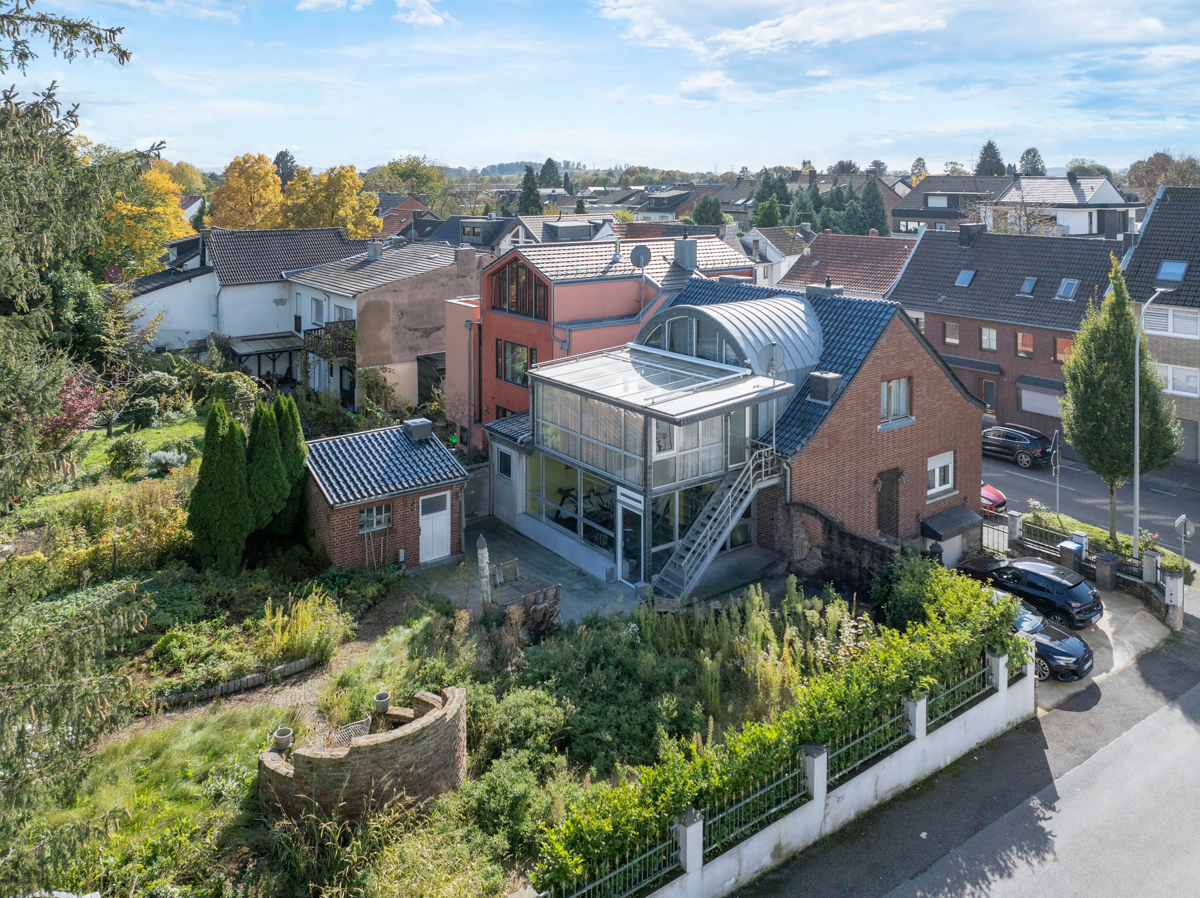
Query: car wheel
x,y
1024,459
1061,619
1041,669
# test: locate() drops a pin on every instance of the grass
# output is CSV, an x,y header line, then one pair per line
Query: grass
x,y
1098,537
156,438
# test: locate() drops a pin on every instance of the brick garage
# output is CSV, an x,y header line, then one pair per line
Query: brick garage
x,y
369,495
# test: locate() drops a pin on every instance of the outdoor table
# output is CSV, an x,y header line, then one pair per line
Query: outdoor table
x,y
511,592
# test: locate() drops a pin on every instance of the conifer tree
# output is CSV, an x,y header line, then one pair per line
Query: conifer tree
x,y
219,513
707,211
568,186
265,477
530,201
990,163
549,176
874,209
580,206
766,215
1097,410
292,451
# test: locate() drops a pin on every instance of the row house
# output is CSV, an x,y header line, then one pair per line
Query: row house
x,y
1166,258
1003,310
822,427
546,301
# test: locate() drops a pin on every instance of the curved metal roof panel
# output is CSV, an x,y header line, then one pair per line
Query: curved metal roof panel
x,y
786,321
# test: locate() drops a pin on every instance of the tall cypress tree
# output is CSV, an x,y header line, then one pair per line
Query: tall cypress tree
x,y
219,513
874,209
1097,410
530,201
265,476
292,451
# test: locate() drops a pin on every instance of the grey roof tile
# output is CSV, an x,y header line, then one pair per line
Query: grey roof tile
x,y
515,427
492,231
1171,232
985,188
357,274
150,282
379,463
259,257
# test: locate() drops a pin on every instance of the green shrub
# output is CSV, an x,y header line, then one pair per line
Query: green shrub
x,y
525,720
185,445
322,413
234,389
156,384
902,590
202,653
126,454
309,625
142,412
164,461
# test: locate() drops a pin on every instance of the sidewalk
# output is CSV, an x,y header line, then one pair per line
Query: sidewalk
x,y
897,842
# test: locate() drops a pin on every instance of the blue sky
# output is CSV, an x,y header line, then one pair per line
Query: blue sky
x,y
693,84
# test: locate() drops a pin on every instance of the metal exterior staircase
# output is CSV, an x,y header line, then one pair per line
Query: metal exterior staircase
x,y
712,527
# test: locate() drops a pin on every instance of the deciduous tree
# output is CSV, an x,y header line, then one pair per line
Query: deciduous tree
x,y
530,200
1097,410
1031,163
137,224
332,199
249,197
844,167
1162,168
919,170
990,163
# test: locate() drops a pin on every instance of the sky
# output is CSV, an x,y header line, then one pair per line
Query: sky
x,y
699,85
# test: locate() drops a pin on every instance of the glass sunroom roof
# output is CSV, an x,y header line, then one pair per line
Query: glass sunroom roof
x,y
665,385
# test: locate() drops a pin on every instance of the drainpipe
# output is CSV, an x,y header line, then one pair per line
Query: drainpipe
x,y
470,378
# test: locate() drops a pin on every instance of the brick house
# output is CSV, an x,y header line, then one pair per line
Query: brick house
x,y
387,496
1167,255
1003,309
546,301
819,426
862,265
941,202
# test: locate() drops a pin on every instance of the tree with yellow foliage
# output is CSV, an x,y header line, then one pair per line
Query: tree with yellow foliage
x,y
332,199
250,196
138,223
186,175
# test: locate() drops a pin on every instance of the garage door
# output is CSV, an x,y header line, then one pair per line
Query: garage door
x,y
1041,403
435,527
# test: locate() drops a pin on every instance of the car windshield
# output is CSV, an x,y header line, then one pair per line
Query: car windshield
x,y
1080,592
1029,621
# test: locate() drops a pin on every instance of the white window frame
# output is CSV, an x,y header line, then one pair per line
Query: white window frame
x,y
918,318
318,310
377,517
988,338
890,393
1167,373
940,466
1154,315
1061,294
937,202
341,313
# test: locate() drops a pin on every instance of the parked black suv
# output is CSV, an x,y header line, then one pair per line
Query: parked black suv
x,y
1057,592
1057,651
1024,445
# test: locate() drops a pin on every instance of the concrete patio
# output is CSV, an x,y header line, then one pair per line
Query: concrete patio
x,y
582,593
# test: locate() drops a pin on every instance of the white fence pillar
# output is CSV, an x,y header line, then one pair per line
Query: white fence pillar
x,y
689,832
1150,566
816,772
918,715
999,671
1015,519
1081,538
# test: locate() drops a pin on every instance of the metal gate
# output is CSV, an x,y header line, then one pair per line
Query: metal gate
x,y
995,534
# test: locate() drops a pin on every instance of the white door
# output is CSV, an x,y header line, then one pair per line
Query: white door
x,y
435,527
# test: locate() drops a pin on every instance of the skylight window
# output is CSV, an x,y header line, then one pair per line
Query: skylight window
x,y
964,278
1027,286
1067,289
1172,271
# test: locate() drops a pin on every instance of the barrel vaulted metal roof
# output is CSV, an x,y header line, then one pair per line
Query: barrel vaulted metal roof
x,y
787,321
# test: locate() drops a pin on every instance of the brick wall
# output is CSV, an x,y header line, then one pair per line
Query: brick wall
x,y
337,533
1012,366
420,759
836,471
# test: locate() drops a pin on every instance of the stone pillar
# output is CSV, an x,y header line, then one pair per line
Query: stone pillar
x,y
485,579
918,715
1015,519
1174,598
816,771
1106,571
689,832
1150,566
999,665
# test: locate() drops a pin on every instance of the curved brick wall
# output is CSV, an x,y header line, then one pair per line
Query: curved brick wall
x,y
420,759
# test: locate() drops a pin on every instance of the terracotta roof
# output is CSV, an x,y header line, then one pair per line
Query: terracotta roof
x,y
259,257
860,264
585,261
1001,263
1171,232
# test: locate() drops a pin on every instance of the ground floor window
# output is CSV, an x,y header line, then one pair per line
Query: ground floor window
x,y
378,517
1049,404
567,497
672,515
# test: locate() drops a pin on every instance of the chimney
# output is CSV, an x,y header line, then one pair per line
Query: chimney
x,y
685,254
827,231
423,199
874,232
1073,177
617,251
418,429
464,256
374,250
967,233
754,244
812,177
823,385
1128,241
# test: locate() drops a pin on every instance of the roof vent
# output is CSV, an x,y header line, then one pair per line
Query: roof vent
x,y
823,385
685,254
374,250
418,429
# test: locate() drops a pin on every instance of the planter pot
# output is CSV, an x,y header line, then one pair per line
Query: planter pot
x,y
382,700
283,739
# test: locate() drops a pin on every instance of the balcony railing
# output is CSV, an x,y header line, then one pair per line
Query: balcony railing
x,y
333,340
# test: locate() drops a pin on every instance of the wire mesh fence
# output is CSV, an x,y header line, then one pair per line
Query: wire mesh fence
x,y
853,750
976,679
638,873
740,816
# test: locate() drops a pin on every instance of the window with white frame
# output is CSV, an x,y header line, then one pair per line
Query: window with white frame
x,y
378,517
341,313
987,339
939,473
318,311
893,400
1067,289
937,202
1179,380
1171,270
918,318
1173,322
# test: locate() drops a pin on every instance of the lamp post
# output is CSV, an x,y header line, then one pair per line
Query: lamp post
x,y
1137,424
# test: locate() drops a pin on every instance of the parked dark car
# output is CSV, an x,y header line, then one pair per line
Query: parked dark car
x,y
1023,445
1057,592
1057,652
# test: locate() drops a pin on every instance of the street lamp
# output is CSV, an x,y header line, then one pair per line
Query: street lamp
x,y
1137,424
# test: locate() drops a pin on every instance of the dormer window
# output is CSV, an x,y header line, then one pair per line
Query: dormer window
x,y
1171,271
964,278
937,202
1067,289
1027,286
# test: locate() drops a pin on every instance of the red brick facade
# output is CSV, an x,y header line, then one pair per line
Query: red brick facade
x,y
337,528
1042,363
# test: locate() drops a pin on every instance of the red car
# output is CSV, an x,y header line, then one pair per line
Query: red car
x,y
991,499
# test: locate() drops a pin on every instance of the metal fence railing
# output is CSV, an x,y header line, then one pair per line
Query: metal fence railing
x,y
853,750
1043,536
976,680
730,821
638,874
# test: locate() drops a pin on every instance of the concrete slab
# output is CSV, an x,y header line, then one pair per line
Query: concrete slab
x,y
1127,629
731,572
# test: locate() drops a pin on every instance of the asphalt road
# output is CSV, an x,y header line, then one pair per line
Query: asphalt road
x,y
1084,496
1098,797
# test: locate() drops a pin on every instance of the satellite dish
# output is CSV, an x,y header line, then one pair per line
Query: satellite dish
x,y
770,357
640,257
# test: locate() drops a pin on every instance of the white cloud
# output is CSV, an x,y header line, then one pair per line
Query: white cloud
x,y
421,12
200,9
819,73
887,97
